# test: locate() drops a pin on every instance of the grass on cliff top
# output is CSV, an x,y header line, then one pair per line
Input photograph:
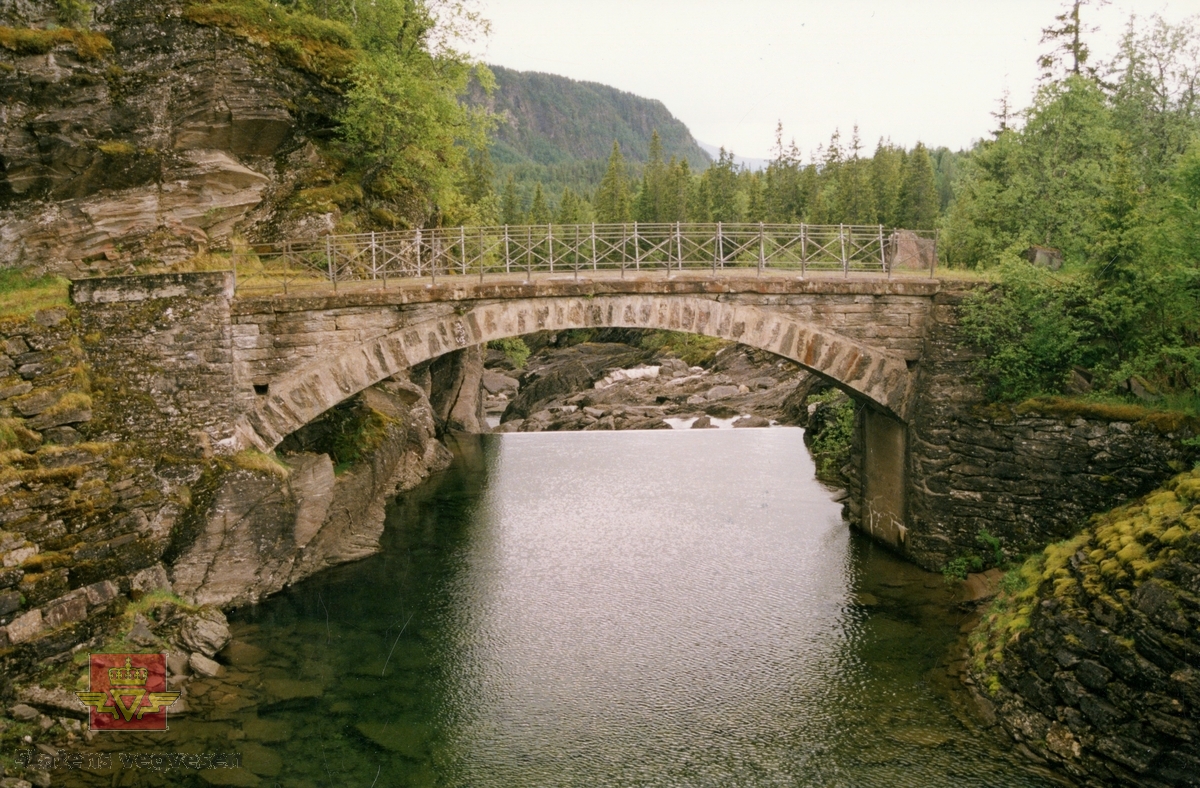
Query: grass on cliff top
x,y
1170,413
1119,550
34,41
320,46
21,294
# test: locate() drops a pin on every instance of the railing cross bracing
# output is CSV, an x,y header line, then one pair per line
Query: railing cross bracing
x,y
557,249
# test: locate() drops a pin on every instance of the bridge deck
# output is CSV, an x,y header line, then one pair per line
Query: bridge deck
x,y
306,294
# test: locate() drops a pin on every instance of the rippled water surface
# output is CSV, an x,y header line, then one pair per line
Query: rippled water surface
x,y
609,609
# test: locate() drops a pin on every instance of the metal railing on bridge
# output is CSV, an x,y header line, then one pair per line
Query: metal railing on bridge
x,y
585,249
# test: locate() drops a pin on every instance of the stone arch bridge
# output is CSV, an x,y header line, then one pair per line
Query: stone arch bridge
x,y
241,372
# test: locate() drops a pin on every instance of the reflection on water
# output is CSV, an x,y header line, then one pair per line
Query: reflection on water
x,y
607,608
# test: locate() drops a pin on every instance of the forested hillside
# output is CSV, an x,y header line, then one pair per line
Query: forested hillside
x,y
558,131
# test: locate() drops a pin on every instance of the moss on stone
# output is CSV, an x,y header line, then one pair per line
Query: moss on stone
x,y
320,46
255,460
1099,569
1161,420
34,41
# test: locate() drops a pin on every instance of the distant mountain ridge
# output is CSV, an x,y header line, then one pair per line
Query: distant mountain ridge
x,y
549,119
558,132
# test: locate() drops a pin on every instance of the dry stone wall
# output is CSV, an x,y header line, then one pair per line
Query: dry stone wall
x,y
1027,475
81,517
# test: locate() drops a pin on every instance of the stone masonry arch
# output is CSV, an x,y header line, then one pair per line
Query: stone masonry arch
x,y
296,397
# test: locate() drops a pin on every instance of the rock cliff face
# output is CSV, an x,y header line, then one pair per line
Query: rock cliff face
x,y
265,530
148,137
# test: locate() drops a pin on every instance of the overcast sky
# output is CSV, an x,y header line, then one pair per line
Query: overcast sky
x,y
929,70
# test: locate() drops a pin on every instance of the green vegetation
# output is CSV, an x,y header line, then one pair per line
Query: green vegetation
x,y
894,187
830,432
22,294
30,41
1107,173
356,431
991,554
74,13
514,349
694,349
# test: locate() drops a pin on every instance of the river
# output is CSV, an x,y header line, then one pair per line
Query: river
x,y
664,608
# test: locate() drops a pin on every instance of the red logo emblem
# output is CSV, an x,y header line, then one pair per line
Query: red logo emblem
x,y
128,692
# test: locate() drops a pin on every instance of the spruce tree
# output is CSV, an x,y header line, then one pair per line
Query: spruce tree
x,y
571,208
510,205
855,194
886,175
479,175
612,198
650,206
918,191
539,212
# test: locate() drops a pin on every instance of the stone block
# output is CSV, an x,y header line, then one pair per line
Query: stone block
x,y
19,556
76,415
14,387
152,578
25,627
9,601
14,346
101,593
206,632
66,609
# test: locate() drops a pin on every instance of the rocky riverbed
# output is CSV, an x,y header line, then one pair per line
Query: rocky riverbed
x,y
622,385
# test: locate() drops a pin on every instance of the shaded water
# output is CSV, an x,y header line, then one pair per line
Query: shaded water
x,y
608,609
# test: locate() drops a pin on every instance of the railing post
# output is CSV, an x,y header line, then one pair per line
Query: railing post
x,y
624,248
529,253
287,258
507,254
329,261
882,255
481,254
550,245
678,248
803,252
637,250
575,254
762,249
845,260
594,260
717,250
462,247
937,237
